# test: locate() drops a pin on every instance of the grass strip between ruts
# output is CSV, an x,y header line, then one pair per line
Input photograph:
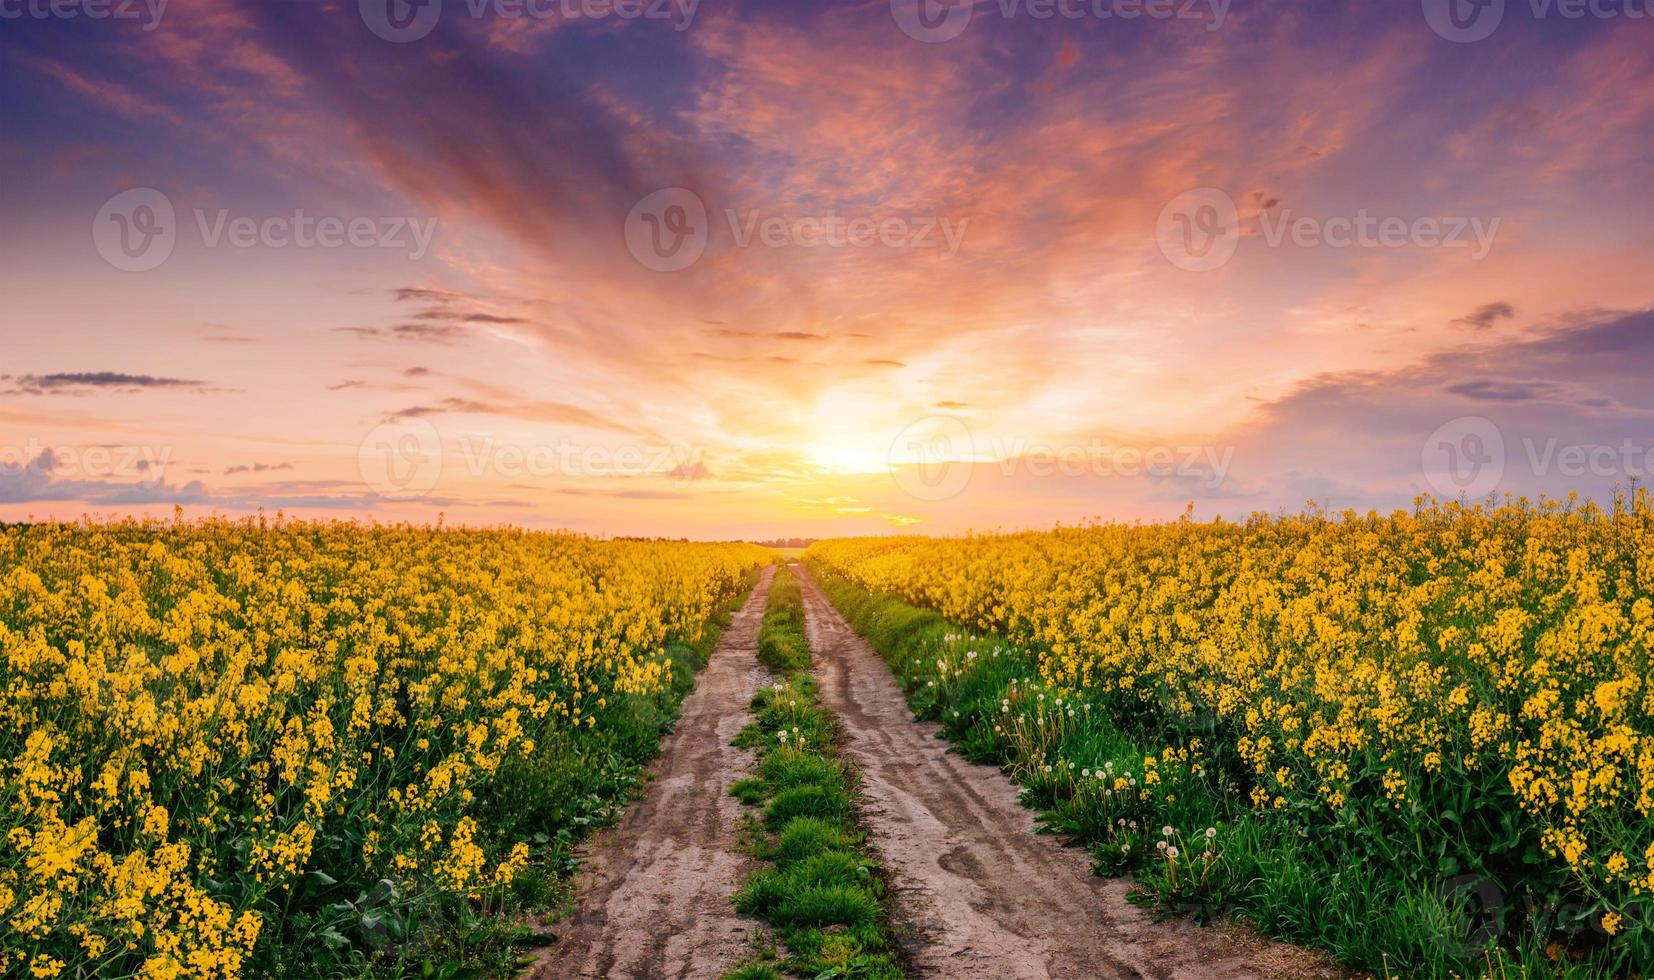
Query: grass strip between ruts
x,y
820,889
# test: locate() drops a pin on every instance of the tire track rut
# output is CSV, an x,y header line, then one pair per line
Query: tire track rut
x,y
976,893
659,903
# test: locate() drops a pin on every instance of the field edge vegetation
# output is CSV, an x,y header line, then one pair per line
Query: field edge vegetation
x,y
1181,819
276,748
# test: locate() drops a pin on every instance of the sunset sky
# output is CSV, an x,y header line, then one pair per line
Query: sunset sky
x,y
927,283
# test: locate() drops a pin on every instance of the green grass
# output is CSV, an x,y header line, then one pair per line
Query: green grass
x,y
1376,900
805,837
749,791
754,971
785,770
821,891
781,643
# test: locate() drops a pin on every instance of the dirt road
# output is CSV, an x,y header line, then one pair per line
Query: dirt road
x,y
975,892
660,904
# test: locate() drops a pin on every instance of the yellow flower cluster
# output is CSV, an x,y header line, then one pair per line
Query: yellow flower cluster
x,y
1425,655
190,713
